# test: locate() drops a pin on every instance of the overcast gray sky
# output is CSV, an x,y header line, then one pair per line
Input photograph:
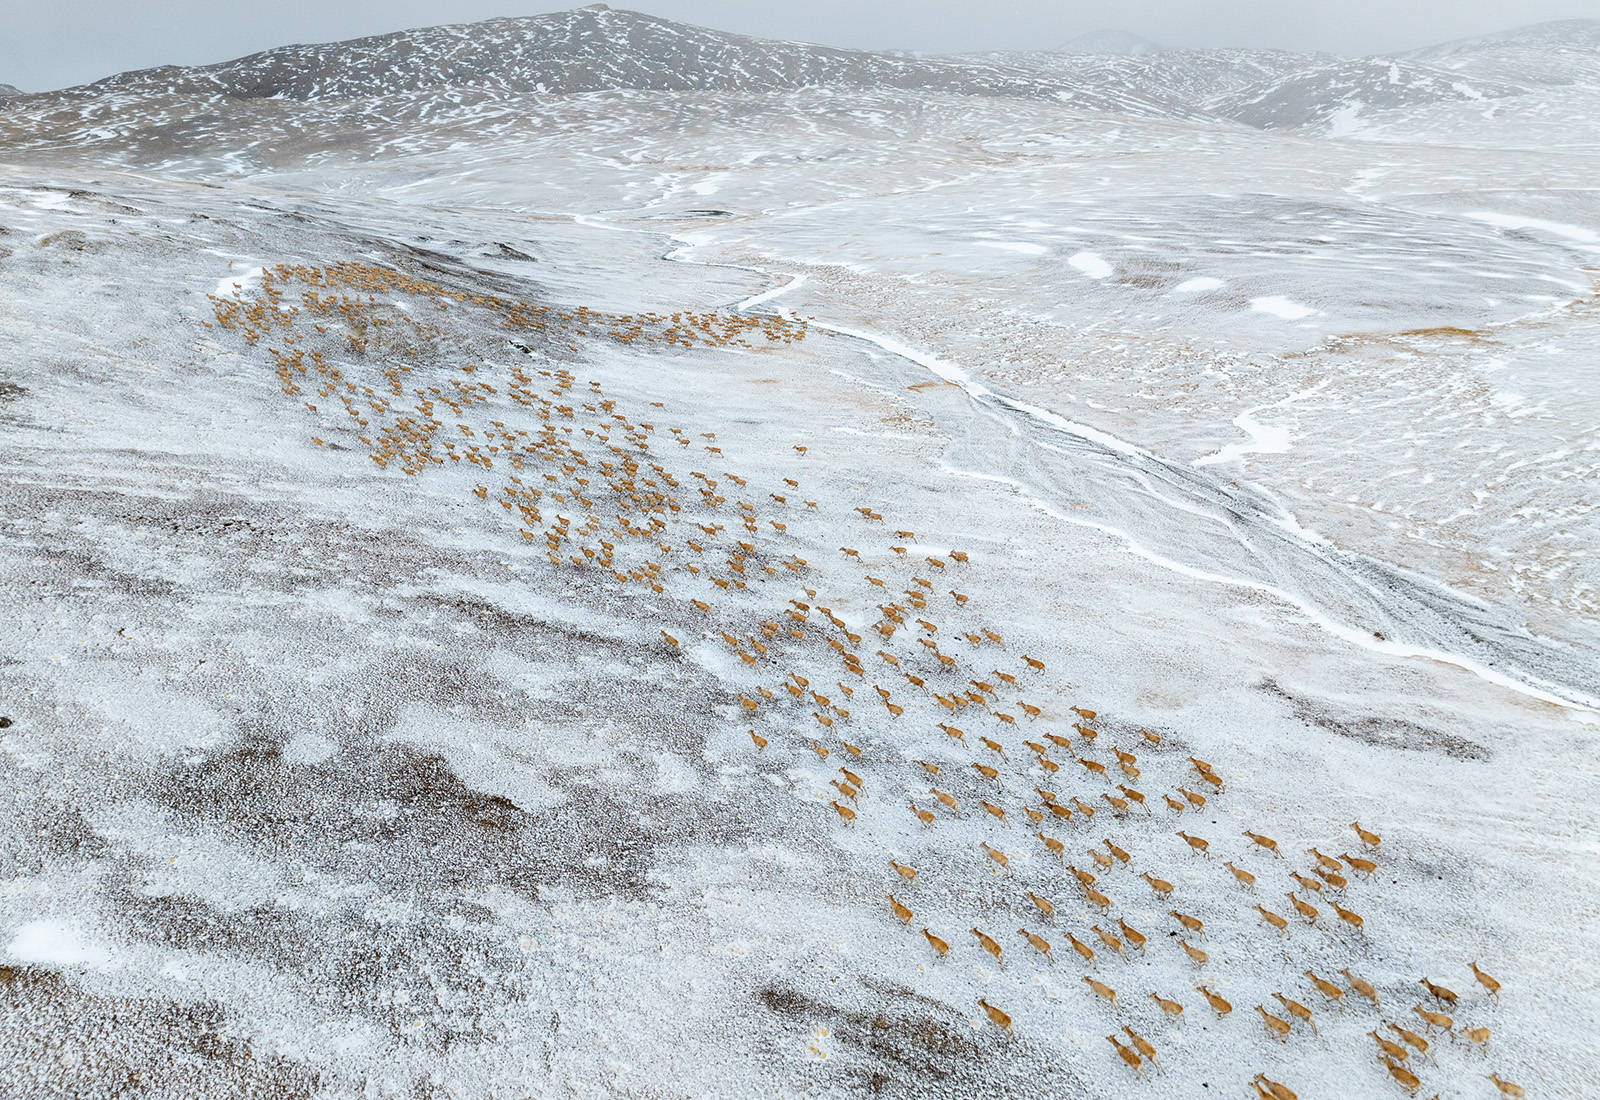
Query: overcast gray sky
x,y
52,43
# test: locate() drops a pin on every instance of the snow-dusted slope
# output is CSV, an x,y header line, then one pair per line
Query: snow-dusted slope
x,y
492,577
587,49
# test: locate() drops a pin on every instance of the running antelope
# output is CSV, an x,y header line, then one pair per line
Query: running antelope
x,y
1362,986
990,946
1276,1027
1173,1009
1038,942
1218,1004
1127,1054
1103,990
1146,1047
1000,1018
1486,981
1266,1086
1298,1011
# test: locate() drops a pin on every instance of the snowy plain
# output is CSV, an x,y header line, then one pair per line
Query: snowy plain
x,y
1276,442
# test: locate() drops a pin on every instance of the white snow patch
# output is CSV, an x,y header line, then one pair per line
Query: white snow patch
x,y
1091,264
52,943
1279,306
1024,247
1192,286
241,281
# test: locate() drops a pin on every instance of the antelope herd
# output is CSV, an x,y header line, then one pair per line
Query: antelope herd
x,y
628,505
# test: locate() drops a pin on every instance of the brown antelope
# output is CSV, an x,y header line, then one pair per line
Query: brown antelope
x,y
1044,907
1391,1049
946,798
1332,878
986,771
1102,860
761,742
1122,855
1035,816
1411,1038
1103,990
923,816
1370,839
1128,1055
1297,1010
1133,936
853,777
1037,666
1173,1009
940,946
1093,766
1109,940
1173,804
907,873
1201,846
1096,898
1326,988
1507,1088
1362,986
1326,862
899,910
1276,1090
1060,811
1435,1019
1305,882
1408,1080
1084,877
1134,796
845,789
1488,983
1350,917
1478,1036
1119,805
1198,801
1038,943
1218,1004
1160,885
1273,919
1364,866
1197,956
1081,948
996,854
1439,992
1029,709
1193,924
1246,879
1145,1046
846,813
1277,1028
1055,846
992,809
1000,1018
990,946
1265,841
1305,909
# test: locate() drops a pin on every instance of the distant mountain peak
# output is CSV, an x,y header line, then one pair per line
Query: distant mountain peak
x,y
1110,42
7,89
1556,34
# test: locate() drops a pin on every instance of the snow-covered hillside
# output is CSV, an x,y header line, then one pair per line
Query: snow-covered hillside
x,y
585,555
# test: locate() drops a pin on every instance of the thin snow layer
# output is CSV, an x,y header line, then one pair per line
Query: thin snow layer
x,y
1091,264
1279,306
326,780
